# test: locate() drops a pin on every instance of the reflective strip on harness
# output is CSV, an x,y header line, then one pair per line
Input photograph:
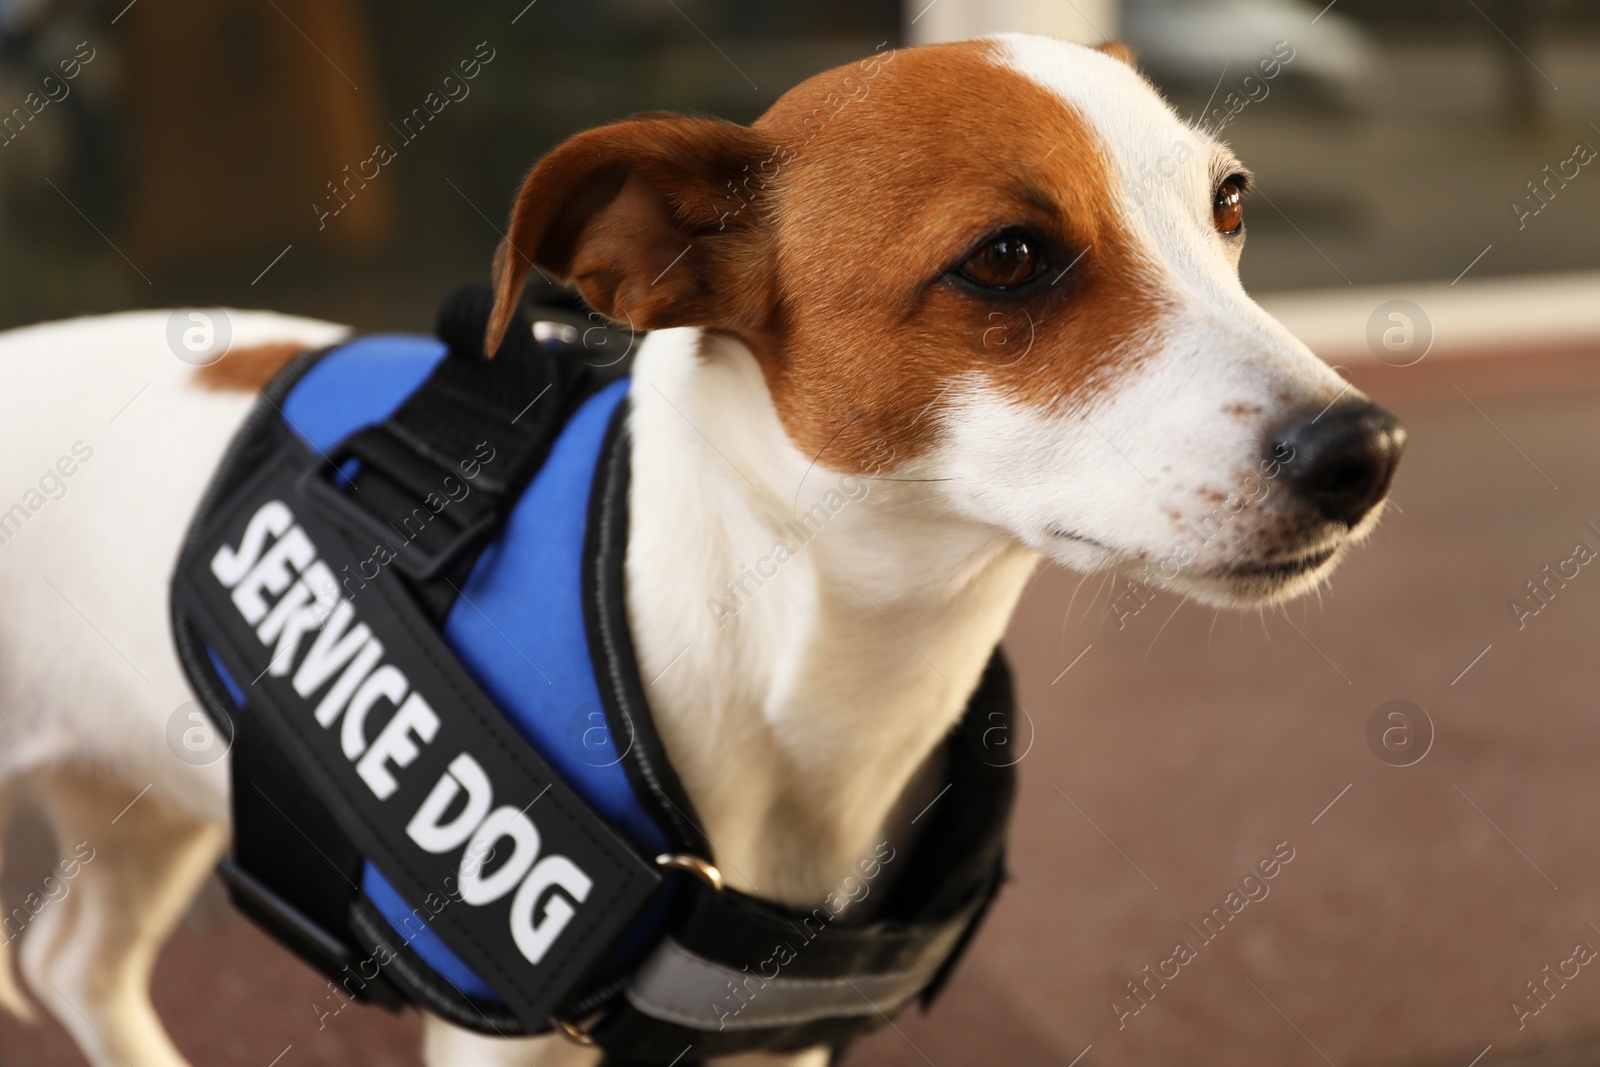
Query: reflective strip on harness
x,y
677,986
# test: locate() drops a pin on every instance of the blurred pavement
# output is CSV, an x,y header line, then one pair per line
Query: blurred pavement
x,y
1419,904
1415,907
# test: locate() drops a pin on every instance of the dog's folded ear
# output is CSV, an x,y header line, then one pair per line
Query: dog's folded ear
x,y
655,220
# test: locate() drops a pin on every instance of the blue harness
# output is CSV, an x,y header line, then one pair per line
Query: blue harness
x,y
415,553
497,630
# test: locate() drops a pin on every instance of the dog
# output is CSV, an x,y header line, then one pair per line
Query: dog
x,y
944,272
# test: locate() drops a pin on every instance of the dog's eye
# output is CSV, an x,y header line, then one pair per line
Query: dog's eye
x,y
1227,209
1006,261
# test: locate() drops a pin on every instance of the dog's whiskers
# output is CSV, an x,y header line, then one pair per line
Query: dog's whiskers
x,y
1105,583
794,509
1067,615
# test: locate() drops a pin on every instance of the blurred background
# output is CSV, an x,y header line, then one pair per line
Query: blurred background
x,y
1427,216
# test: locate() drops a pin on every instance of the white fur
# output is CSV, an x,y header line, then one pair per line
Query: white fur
x,y
831,685
802,724
1130,469
89,674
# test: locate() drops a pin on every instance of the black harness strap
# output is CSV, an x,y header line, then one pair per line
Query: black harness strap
x,y
946,881
736,966
501,414
303,908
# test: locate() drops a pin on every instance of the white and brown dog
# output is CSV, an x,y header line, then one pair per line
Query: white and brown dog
x,y
948,267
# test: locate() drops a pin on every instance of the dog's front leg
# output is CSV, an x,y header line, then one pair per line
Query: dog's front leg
x,y
89,954
817,1057
444,1045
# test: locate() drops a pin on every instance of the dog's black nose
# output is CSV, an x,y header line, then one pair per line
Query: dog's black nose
x,y
1343,459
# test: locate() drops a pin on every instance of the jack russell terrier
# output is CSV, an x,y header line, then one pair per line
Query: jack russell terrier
x,y
947,267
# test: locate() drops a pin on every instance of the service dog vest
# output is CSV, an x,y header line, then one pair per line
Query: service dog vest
x,y
402,602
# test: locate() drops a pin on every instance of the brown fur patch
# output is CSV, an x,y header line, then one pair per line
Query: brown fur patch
x,y
249,368
825,238
939,150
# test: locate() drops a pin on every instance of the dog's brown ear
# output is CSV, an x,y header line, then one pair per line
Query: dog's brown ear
x,y
1117,50
654,220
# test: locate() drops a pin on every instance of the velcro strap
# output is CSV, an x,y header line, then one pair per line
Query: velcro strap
x,y
487,421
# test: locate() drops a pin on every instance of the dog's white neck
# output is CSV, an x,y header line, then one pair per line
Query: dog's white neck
x,y
800,712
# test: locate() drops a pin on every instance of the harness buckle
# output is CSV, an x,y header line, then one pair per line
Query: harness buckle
x,y
574,1033
412,475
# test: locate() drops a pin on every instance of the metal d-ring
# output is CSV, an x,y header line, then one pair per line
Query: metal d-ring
x,y
571,1032
685,861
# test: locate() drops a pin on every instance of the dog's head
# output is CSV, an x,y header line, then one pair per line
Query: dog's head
x,y
1009,262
